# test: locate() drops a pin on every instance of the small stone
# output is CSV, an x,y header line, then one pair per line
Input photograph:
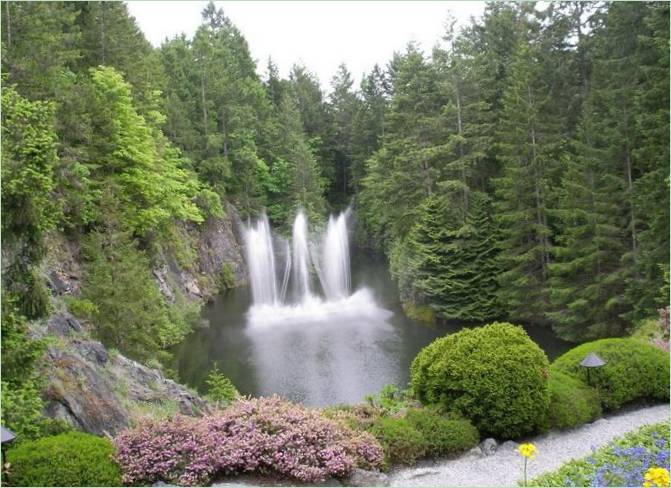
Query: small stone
x,y
476,452
600,422
362,477
488,446
509,446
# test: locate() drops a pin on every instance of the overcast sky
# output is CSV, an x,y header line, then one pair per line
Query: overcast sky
x,y
320,34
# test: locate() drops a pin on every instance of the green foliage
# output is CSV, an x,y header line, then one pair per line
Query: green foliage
x,y
391,400
493,375
226,277
220,389
524,143
129,312
572,403
138,161
71,459
443,436
448,263
582,472
22,403
20,352
635,371
28,161
401,442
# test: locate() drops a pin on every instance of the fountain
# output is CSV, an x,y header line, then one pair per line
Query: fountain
x,y
261,262
327,255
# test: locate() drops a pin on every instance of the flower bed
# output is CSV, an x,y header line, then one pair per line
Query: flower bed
x,y
266,435
623,462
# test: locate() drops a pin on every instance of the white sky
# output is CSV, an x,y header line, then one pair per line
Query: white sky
x,y
319,34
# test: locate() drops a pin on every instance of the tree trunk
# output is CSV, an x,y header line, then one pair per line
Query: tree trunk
x,y
202,95
9,25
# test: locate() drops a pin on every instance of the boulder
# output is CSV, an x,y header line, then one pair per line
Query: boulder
x,y
362,477
488,446
476,452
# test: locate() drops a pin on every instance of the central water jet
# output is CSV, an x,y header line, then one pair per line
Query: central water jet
x,y
301,257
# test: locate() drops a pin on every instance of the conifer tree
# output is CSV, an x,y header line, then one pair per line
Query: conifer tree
x,y
522,191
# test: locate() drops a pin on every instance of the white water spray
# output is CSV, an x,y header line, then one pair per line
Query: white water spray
x,y
335,267
328,256
301,257
261,262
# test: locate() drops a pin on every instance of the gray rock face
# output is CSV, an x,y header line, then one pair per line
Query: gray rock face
x,y
63,324
217,243
488,446
103,393
362,477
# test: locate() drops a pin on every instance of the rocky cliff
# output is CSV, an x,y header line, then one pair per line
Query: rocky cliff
x,y
99,390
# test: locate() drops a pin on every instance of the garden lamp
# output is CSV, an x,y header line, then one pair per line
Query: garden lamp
x,y
591,361
6,437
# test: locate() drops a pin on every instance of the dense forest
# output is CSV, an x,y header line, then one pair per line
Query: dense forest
x,y
518,171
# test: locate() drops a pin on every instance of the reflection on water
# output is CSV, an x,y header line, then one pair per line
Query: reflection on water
x,y
318,353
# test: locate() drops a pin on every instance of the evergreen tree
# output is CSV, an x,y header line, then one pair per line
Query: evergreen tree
x,y
28,161
343,105
524,140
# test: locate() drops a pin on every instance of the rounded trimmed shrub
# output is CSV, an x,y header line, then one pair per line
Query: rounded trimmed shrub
x,y
71,459
635,371
572,403
443,436
401,442
495,375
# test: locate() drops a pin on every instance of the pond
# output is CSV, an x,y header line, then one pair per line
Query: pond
x,y
339,356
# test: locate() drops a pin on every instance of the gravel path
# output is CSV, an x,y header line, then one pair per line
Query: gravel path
x,y
504,468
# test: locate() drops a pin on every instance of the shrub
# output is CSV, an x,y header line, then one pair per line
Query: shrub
x,y
226,277
443,436
623,462
635,371
267,435
496,376
71,459
572,403
220,389
401,442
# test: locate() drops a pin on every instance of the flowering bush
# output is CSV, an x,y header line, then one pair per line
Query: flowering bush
x,y
623,462
266,435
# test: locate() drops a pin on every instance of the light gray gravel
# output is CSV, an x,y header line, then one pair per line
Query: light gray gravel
x,y
504,468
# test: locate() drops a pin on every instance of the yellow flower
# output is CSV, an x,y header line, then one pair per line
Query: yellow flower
x,y
527,450
656,477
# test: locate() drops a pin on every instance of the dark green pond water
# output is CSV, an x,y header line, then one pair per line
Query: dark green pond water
x,y
337,357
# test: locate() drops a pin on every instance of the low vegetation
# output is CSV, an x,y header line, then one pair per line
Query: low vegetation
x,y
572,403
266,435
70,459
635,371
